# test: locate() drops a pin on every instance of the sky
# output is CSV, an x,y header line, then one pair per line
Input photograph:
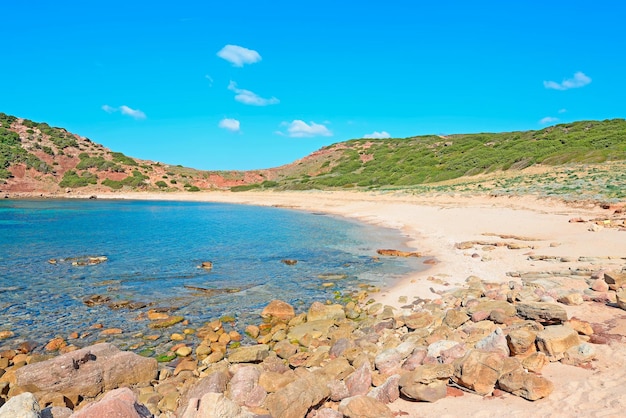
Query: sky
x,y
244,85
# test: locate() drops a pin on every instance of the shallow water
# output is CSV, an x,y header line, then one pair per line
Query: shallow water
x,y
154,250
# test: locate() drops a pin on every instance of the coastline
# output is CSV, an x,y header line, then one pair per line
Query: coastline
x,y
498,239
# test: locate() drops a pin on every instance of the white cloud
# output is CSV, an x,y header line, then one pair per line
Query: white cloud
x,y
377,135
229,124
125,110
548,119
208,77
562,110
579,80
238,55
250,98
134,113
301,129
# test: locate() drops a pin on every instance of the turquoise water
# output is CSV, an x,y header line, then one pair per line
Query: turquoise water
x,y
154,250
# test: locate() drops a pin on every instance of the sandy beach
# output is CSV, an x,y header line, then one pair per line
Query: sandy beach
x,y
508,237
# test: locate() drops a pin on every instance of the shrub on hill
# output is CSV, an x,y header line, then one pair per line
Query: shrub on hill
x,y
73,180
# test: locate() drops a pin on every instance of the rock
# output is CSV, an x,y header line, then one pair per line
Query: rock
x,y
599,285
359,382
527,385
546,313
579,354
88,372
274,381
116,403
581,327
455,318
320,312
22,406
6,334
214,405
364,407
535,362
249,354
289,262
388,392
284,349
295,399
389,361
279,310
55,344
571,299
415,359
339,347
183,351
252,330
435,349
167,322
325,413
521,342
425,392
243,388
418,320
496,341
215,382
94,300
56,412
615,279
489,305
555,340
207,265
398,253
316,329
621,299
427,373
186,364
338,390
478,371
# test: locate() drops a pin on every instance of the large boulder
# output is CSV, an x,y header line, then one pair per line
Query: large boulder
x,y
527,385
478,371
544,312
555,340
214,405
364,407
87,372
116,403
295,399
249,354
319,311
244,387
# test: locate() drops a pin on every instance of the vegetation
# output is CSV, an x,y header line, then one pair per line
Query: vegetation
x,y
137,180
118,157
161,184
99,163
73,180
11,151
407,162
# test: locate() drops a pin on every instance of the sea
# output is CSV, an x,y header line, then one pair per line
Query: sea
x,y
153,251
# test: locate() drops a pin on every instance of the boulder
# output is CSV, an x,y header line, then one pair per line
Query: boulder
x,y
427,373
320,312
359,382
398,253
280,310
116,403
249,354
496,341
571,299
389,361
544,312
455,318
295,399
535,362
325,413
214,405
388,392
425,392
364,407
316,329
274,381
478,371
88,372
23,406
418,320
244,389
615,279
215,382
555,340
521,342
527,385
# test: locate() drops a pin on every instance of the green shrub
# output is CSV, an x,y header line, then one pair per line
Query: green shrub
x,y
73,180
118,157
161,184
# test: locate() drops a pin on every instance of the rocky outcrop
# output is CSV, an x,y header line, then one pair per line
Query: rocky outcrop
x,y
87,372
116,403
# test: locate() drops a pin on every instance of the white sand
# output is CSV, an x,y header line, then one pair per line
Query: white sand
x,y
433,225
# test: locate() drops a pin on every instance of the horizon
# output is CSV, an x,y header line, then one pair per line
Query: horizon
x,y
210,88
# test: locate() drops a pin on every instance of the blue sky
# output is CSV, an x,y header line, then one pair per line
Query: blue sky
x,y
245,85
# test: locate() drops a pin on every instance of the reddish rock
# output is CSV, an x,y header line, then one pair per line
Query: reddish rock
x,y
524,384
364,407
116,403
243,388
88,372
478,371
388,392
360,382
280,310
295,399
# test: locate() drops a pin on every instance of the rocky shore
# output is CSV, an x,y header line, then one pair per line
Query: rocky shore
x,y
353,360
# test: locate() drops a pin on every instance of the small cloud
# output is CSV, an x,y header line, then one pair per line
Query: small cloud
x,y
377,135
125,110
561,111
579,80
250,98
238,55
229,124
548,119
208,77
301,129
134,113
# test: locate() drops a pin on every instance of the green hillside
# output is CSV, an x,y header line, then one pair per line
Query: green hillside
x,y
372,163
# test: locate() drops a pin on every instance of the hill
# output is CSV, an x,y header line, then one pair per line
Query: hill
x,y
573,158
38,158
